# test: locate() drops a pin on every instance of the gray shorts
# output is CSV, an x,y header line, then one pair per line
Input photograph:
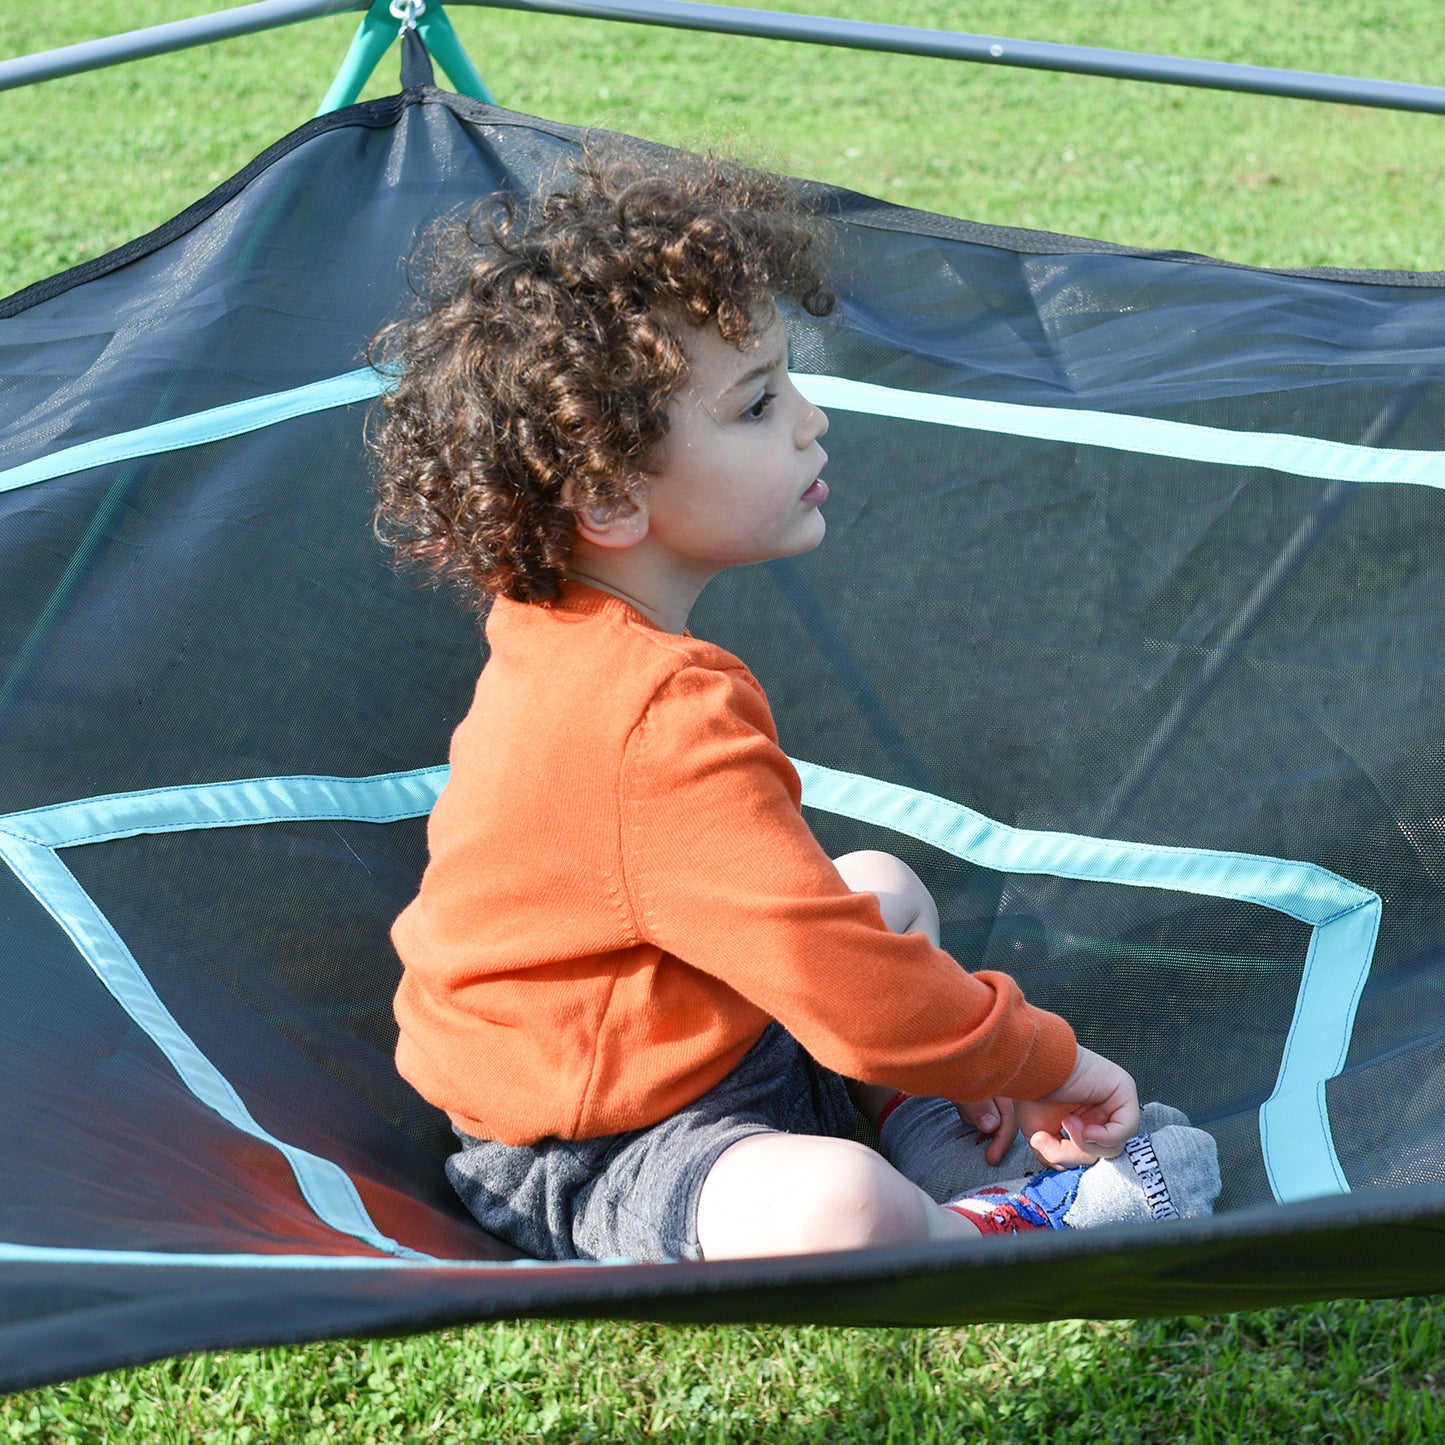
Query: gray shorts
x,y
634,1196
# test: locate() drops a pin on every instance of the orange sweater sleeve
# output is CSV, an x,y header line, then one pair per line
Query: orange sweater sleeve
x,y
722,871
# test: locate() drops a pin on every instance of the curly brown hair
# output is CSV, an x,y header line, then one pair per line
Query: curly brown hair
x,y
535,378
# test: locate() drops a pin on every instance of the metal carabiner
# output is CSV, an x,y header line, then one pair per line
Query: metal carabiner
x,y
408,12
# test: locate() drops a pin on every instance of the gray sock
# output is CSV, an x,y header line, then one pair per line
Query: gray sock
x,y
925,1141
1169,1167
1169,1172
1160,1116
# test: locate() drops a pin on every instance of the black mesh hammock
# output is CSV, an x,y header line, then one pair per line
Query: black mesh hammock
x,y
1128,634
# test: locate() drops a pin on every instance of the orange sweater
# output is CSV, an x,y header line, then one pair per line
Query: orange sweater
x,y
622,893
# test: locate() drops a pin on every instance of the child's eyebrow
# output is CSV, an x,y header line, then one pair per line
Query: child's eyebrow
x,y
763,368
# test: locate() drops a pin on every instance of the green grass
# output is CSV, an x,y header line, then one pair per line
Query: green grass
x,y
1367,1373
92,160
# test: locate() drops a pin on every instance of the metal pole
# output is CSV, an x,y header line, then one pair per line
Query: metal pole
x,y
375,37
994,50
447,50
161,39
818,30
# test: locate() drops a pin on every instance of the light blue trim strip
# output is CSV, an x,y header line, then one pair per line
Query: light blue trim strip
x,y
150,1258
326,1188
1294,1124
1305,891
1275,451
198,428
1299,1150
385,798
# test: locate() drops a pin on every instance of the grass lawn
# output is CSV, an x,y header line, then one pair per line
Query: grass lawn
x,y
92,160
1365,1373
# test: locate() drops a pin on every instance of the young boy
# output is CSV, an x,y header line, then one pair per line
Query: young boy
x,y
648,1001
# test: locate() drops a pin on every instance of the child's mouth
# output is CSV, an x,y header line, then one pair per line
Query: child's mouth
x,y
817,493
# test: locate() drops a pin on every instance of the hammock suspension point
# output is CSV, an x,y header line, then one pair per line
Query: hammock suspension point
x,y
388,21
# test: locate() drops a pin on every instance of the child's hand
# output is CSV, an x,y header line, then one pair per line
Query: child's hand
x,y
995,1120
1090,1116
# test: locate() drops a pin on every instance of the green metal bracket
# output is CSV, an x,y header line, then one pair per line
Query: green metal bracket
x,y
379,28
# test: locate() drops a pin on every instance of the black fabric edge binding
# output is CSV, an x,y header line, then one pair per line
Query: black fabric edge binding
x,y
1376,1244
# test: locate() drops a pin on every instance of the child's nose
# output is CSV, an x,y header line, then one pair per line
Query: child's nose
x,y
815,425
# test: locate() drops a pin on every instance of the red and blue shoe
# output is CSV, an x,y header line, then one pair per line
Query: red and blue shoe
x,y
1039,1203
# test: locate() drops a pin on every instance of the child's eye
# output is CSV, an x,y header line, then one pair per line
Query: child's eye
x,y
756,410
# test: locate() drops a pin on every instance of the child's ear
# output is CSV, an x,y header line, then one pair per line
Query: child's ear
x,y
619,523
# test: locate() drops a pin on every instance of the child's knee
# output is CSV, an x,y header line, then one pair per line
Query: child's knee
x,y
862,1203
907,905
782,1194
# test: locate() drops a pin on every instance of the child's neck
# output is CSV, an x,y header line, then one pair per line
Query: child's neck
x,y
659,618
663,597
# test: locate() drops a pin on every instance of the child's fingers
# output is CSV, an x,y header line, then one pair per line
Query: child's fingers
x,y
1003,1134
1106,1140
1078,1143
1106,1095
1102,1148
981,1114
1059,1152
995,1119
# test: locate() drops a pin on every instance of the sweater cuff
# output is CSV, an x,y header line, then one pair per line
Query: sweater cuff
x,y
1049,1061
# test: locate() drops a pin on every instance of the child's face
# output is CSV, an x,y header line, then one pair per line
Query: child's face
x,y
737,478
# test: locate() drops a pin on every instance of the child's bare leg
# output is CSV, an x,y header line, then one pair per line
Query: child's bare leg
x,y
774,1194
907,905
